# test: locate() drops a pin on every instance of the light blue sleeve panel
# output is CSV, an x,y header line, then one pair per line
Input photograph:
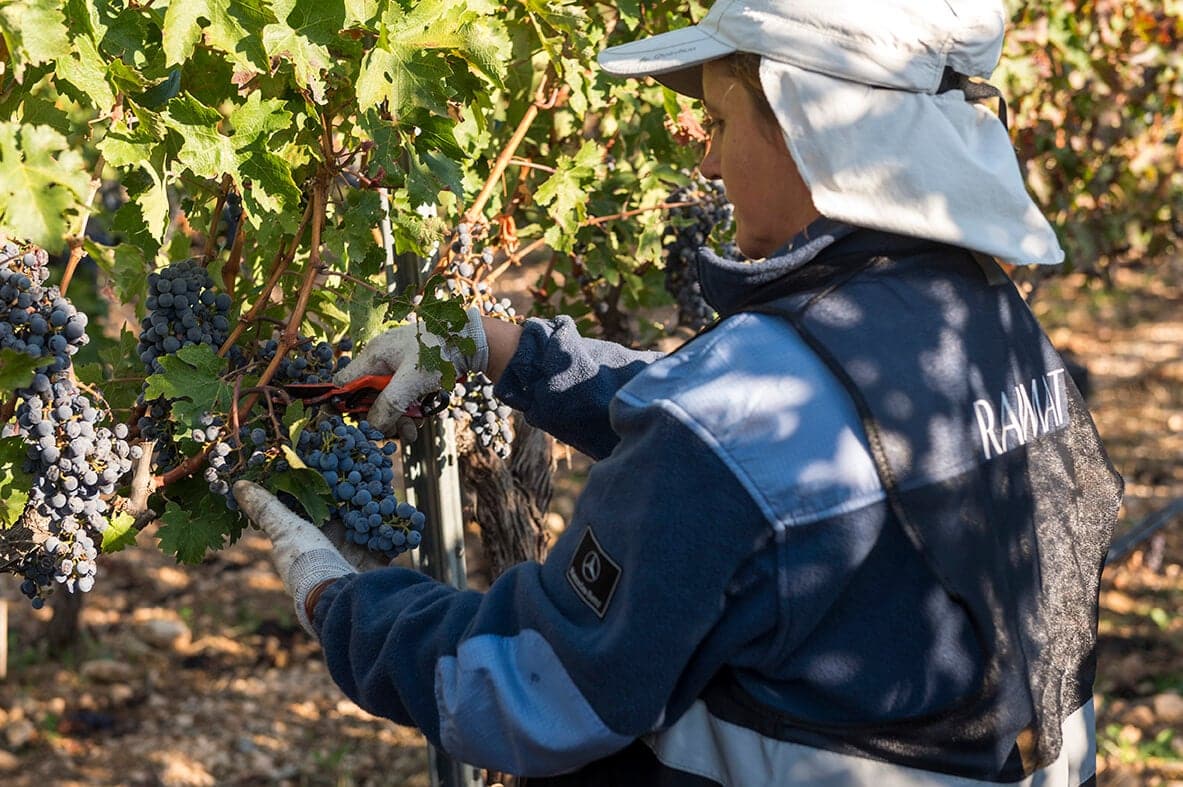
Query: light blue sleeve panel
x,y
494,685
774,413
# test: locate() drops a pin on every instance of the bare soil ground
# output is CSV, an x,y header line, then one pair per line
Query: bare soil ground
x,y
200,676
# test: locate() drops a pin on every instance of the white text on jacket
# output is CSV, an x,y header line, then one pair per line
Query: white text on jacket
x,y
1022,414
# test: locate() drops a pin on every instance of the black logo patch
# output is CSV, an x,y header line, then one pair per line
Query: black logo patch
x,y
593,574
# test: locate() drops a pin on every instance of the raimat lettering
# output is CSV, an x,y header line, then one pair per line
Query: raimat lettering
x,y
1022,414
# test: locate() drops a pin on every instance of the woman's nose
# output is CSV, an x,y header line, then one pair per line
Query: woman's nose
x,y
709,167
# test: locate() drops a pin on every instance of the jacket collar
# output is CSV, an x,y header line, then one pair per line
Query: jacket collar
x,y
729,285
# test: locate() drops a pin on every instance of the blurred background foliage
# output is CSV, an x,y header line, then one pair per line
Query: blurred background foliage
x,y
1095,88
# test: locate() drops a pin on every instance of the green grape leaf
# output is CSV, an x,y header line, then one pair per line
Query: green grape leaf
x,y
138,242
203,523
118,373
366,318
125,78
272,186
565,192
15,483
258,118
568,20
294,420
435,133
231,26
308,486
431,358
124,265
181,30
191,379
204,150
120,533
125,145
42,182
17,369
164,90
38,110
360,13
381,79
301,34
151,195
85,69
396,70
423,185
34,31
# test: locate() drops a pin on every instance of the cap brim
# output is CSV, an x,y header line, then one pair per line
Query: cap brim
x,y
675,58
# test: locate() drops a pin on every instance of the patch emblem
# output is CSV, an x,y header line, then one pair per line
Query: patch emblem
x,y
593,574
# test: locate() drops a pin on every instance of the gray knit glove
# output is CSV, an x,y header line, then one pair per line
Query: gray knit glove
x,y
396,352
302,554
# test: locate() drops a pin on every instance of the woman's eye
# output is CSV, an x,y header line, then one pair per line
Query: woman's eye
x,y
711,125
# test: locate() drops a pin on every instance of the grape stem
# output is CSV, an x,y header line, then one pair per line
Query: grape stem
x,y
289,337
518,161
235,421
97,395
211,236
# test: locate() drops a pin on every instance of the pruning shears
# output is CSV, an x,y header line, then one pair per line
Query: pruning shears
x,y
356,396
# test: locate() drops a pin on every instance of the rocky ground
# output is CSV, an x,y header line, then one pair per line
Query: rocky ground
x,y
199,675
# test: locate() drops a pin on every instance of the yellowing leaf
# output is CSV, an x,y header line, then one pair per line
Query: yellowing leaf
x,y
42,182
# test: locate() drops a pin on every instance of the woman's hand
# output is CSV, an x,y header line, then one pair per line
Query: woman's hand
x,y
396,353
305,558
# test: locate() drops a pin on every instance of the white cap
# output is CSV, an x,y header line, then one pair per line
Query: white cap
x,y
854,86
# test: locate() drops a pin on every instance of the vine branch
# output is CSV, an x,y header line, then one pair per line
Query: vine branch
x,y
283,258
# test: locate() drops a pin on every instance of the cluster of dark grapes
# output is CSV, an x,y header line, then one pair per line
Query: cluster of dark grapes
x,y
183,309
488,418
361,475
307,362
687,231
353,459
156,425
75,461
34,319
472,399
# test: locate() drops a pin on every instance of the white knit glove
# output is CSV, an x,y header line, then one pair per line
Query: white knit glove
x,y
303,555
396,352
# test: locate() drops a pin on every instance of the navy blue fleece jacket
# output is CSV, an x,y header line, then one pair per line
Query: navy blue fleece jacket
x,y
734,518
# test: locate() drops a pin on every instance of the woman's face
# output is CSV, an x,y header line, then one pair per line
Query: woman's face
x,y
747,150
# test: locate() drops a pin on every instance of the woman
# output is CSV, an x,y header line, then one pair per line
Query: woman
x,y
852,534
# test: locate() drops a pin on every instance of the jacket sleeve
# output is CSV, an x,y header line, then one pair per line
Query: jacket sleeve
x,y
563,382
656,582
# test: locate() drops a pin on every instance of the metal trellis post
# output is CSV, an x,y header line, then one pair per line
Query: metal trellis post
x,y
432,476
